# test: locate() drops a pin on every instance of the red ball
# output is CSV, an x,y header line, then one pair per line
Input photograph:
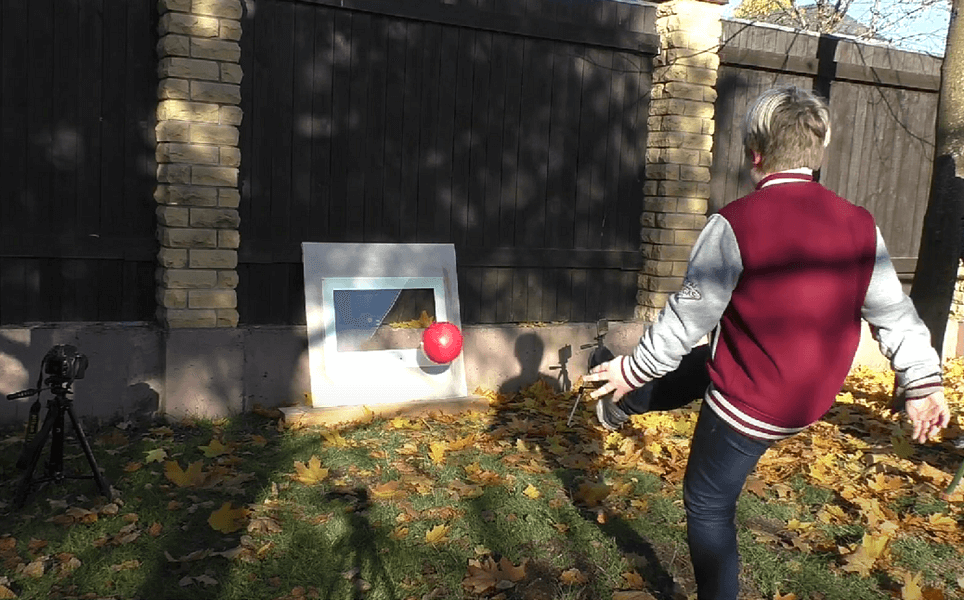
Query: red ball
x,y
442,342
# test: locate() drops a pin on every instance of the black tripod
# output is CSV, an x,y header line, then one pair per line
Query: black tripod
x,y
57,407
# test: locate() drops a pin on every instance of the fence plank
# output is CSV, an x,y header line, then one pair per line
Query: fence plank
x,y
512,141
495,194
394,130
303,131
14,101
411,132
452,223
474,186
375,137
341,203
434,93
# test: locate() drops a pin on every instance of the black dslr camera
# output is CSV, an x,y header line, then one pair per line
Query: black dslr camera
x,y
64,364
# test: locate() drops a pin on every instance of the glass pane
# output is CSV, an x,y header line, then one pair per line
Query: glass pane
x,y
389,319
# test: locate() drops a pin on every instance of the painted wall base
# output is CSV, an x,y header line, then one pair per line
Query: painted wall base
x,y
137,369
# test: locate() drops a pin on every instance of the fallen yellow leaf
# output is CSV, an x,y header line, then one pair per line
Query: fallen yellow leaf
x,y
532,492
227,519
591,494
192,477
387,490
911,588
310,473
333,438
436,451
437,534
862,560
214,448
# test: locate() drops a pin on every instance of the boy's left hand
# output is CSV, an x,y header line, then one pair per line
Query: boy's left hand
x,y
611,375
928,416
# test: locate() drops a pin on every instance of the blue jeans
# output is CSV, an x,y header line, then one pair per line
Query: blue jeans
x,y
720,461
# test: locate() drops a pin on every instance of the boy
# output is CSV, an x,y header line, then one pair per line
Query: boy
x,y
782,277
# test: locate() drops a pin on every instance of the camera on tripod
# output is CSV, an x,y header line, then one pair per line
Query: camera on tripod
x,y
64,364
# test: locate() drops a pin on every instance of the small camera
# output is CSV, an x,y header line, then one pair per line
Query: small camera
x,y
64,364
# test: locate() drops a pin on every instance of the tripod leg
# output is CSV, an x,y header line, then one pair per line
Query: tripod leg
x,y
31,455
82,439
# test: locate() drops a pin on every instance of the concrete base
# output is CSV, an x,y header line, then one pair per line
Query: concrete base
x,y
137,369
300,416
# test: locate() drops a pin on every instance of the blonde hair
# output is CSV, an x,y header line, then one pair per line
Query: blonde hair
x,y
789,128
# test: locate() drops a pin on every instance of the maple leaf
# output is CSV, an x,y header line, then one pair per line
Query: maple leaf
x,y
573,577
633,580
861,560
487,575
465,490
911,588
155,455
405,423
34,570
214,448
756,486
388,490
333,438
437,534
127,565
310,473
902,446
591,494
437,452
462,443
192,477
227,519
532,492
779,596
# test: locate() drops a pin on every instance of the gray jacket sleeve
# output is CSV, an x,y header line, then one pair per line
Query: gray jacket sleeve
x,y
903,337
692,312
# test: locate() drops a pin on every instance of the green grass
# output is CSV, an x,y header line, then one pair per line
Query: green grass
x,y
344,537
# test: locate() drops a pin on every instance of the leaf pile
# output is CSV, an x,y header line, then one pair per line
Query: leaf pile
x,y
507,504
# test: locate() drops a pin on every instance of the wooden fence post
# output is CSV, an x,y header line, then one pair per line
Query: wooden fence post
x,y
198,157
679,149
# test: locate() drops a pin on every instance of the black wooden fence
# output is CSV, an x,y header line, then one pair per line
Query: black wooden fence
x,y
78,89
517,137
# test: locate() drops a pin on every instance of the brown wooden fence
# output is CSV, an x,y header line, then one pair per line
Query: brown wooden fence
x,y
78,89
513,130
883,104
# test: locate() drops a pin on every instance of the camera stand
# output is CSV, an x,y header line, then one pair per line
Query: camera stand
x,y
57,407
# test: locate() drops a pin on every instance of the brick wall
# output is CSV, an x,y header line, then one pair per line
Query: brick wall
x,y
679,148
198,158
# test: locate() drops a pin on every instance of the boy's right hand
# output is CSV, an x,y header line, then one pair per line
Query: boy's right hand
x,y
610,375
928,416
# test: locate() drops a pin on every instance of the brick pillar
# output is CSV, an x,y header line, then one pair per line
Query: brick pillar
x,y
197,193
679,149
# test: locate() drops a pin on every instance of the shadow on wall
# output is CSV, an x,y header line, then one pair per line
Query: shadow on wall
x,y
530,352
